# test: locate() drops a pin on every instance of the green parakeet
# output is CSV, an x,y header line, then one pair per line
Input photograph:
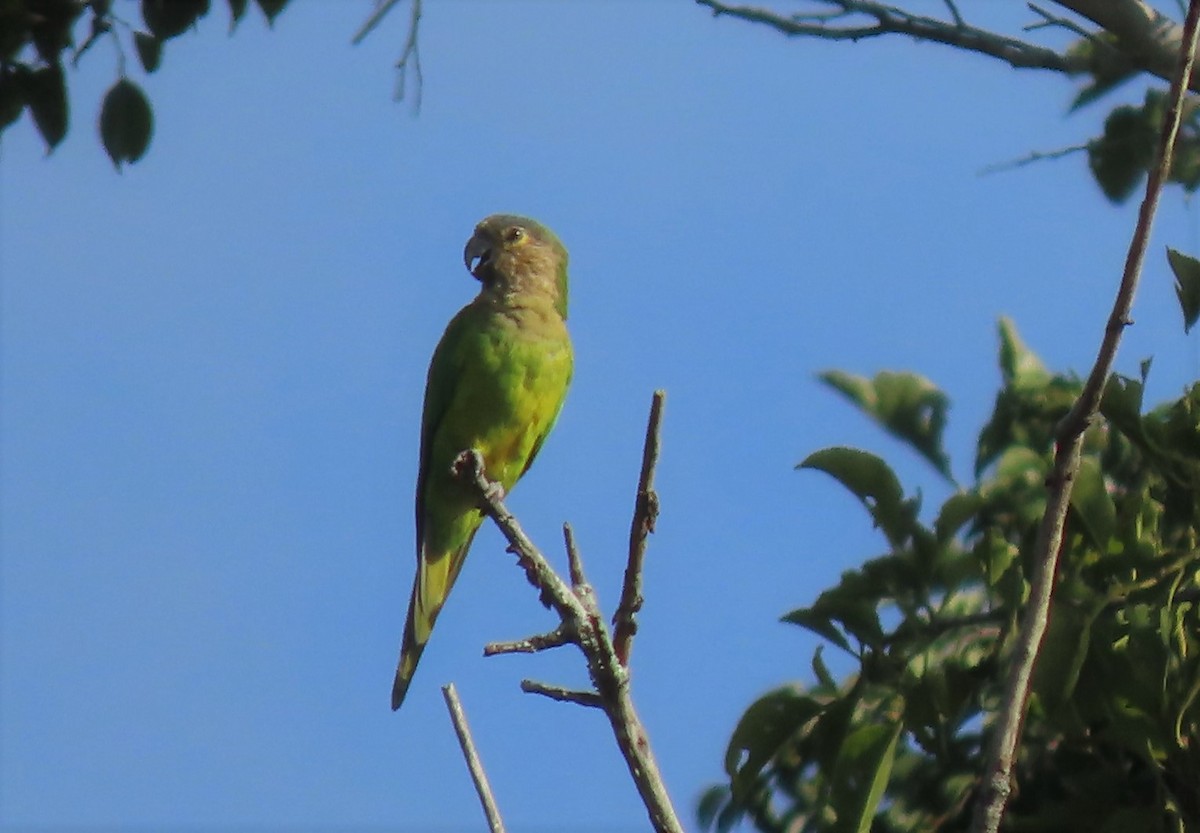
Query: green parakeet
x,y
496,383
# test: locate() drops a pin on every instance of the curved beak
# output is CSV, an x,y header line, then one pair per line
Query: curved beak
x,y
478,249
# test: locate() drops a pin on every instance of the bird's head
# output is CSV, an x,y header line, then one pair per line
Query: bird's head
x,y
513,255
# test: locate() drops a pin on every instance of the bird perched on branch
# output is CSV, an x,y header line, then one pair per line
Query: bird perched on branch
x,y
496,383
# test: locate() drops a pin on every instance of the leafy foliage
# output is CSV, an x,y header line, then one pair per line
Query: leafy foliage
x,y
38,39
1122,155
1112,739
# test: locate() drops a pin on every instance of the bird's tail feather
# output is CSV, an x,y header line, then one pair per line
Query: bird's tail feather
x,y
435,577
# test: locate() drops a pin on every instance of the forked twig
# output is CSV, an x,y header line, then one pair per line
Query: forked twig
x,y
582,625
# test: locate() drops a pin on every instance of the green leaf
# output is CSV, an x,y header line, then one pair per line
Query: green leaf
x,y
12,98
271,8
237,10
872,481
956,511
861,774
1063,651
1120,157
766,728
167,19
1187,285
711,803
46,95
1092,505
1019,366
1107,66
908,406
1121,404
126,122
820,624
821,670
149,50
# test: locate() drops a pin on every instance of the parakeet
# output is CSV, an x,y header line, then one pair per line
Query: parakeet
x,y
496,384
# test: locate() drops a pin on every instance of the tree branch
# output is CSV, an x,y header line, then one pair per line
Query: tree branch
x,y
474,765
580,615
997,783
893,20
645,513
563,695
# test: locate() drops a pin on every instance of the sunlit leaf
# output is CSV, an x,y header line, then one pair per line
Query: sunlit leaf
x,y
871,480
861,774
908,406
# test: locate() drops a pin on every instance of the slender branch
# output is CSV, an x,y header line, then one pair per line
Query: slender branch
x,y
1029,159
411,57
574,561
580,616
411,54
997,783
563,695
1051,20
531,644
893,20
645,514
474,765
382,7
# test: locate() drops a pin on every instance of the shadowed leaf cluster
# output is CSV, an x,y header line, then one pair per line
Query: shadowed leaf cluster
x,y
41,39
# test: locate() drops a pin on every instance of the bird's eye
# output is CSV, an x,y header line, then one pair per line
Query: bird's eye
x,y
515,234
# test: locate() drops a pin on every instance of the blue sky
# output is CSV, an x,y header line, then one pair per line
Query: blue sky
x,y
213,363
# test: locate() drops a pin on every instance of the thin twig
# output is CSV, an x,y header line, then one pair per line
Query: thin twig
x,y
381,10
563,695
574,560
955,13
1051,20
411,54
1035,156
645,515
997,783
894,20
531,644
474,765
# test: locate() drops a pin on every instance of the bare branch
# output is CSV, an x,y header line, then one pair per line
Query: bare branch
x,y
997,783
645,514
1029,159
581,618
1050,20
474,765
411,54
563,695
411,57
893,20
574,560
531,644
